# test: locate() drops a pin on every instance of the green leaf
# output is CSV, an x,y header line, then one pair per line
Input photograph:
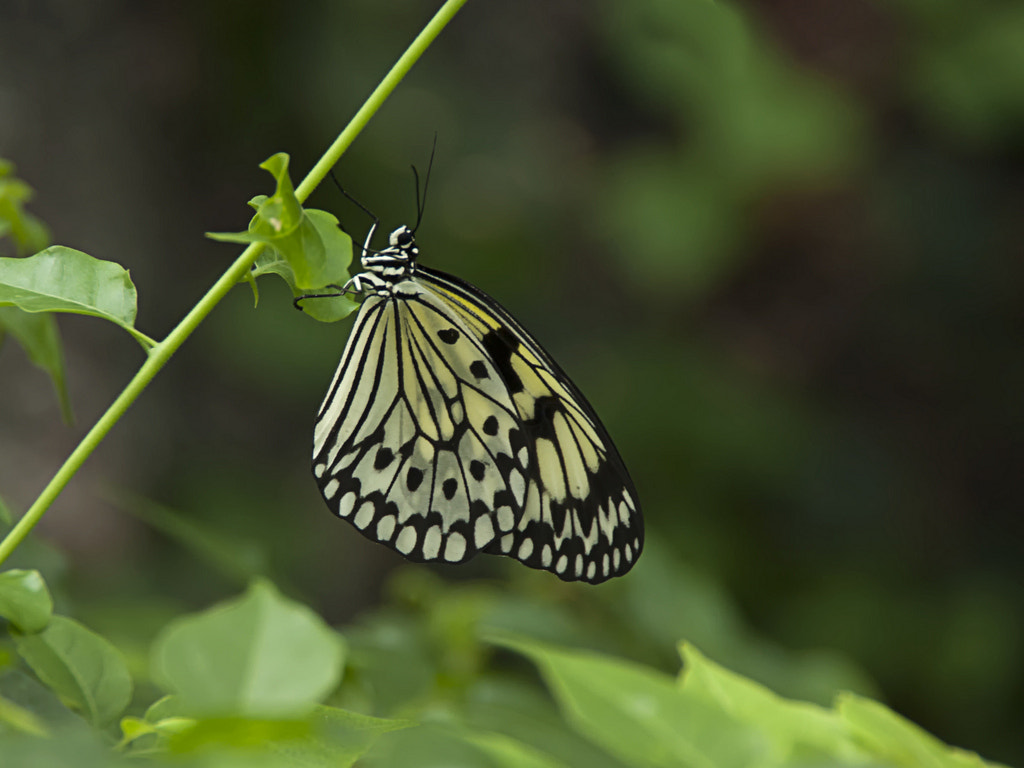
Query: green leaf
x,y
239,558
325,737
641,715
897,741
84,670
38,336
326,305
24,600
338,739
29,234
62,279
796,729
523,710
20,719
316,252
511,753
261,655
237,733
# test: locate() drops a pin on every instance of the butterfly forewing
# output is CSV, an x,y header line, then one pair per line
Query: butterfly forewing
x,y
579,517
448,430
415,439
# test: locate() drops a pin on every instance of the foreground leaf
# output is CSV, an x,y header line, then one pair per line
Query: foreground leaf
x,y
899,742
20,719
640,715
62,279
796,729
84,670
24,600
261,656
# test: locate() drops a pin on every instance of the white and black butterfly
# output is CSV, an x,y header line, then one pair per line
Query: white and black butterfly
x,y
448,431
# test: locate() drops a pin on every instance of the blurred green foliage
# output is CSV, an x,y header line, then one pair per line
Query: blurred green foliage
x,y
778,246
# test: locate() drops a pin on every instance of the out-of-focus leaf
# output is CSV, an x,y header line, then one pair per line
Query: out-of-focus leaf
x,y
24,600
967,67
260,656
640,715
87,672
28,232
896,741
524,711
510,753
237,557
798,731
339,738
749,123
20,719
38,336
435,745
62,279
390,658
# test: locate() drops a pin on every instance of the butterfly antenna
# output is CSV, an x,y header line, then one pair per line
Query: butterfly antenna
x,y
421,200
363,208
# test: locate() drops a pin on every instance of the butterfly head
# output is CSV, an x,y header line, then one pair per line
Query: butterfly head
x,y
398,260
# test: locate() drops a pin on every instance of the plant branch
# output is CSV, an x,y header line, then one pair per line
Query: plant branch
x,y
162,351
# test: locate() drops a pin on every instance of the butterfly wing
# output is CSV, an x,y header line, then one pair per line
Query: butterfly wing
x,y
448,430
580,517
417,442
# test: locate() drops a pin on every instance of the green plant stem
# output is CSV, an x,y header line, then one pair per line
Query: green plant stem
x,y
162,351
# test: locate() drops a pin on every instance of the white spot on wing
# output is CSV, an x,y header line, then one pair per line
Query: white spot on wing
x,y
483,531
364,515
348,503
563,561
406,541
623,513
517,486
431,542
331,488
506,518
319,470
386,527
525,549
455,547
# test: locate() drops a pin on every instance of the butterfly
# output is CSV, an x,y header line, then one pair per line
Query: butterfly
x,y
448,430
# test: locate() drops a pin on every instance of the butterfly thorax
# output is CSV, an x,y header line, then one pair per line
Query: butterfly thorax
x,y
386,268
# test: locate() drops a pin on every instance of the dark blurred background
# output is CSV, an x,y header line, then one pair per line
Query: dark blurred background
x,y
778,244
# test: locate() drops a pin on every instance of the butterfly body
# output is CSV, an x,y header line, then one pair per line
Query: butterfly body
x,y
448,430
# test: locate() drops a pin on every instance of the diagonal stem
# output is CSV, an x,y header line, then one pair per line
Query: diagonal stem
x,y
162,351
